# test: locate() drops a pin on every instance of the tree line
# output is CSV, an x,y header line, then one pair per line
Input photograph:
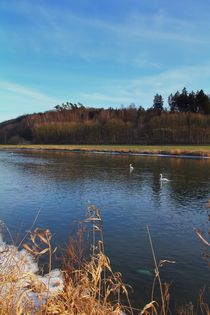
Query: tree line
x,y
186,120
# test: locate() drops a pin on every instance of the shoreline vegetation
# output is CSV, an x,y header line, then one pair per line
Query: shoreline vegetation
x,y
202,151
89,286
88,283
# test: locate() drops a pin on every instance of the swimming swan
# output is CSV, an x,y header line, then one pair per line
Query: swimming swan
x,y
163,179
131,168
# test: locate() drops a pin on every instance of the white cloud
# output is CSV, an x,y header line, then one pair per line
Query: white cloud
x,y
65,32
26,92
144,61
142,90
136,42
18,100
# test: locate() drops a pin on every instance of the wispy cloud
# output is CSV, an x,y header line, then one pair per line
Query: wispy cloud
x,y
142,90
18,100
143,61
100,58
26,92
67,32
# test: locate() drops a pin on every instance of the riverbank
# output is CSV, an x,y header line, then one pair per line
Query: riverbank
x,y
170,150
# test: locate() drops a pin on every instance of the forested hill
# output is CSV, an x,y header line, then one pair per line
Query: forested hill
x,y
186,121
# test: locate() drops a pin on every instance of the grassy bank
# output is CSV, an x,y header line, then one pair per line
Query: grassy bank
x,y
189,150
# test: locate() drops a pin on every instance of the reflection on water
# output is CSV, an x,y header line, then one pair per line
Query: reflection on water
x,y
62,184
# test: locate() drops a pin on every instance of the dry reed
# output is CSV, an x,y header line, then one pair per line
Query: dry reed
x,y
90,285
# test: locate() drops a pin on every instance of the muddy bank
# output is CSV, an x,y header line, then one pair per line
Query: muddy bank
x,y
166,151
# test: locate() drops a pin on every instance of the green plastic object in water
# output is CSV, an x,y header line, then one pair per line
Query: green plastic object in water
x,y
145,272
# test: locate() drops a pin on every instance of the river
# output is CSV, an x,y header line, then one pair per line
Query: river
x,y
62,185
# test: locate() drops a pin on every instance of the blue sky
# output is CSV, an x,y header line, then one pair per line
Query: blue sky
x,y
100,52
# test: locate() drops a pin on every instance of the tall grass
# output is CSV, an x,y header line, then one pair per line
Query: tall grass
x,y
90,285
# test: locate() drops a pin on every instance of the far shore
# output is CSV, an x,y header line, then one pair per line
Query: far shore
x,y
157,150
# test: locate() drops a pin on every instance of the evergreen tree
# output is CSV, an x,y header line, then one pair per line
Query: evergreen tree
x,y
158,102
183,101
203,102
194,108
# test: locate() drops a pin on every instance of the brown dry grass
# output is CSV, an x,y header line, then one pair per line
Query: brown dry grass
x,y
191,150
90,285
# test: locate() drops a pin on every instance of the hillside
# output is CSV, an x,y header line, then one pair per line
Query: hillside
x,y
76,124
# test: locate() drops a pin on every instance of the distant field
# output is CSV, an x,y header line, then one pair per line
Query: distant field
x,y
192,150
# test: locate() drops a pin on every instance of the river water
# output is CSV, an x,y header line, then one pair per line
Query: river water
x,y
61,185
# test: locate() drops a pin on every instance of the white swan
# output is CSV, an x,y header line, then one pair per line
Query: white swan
x,y
163,179
131,168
